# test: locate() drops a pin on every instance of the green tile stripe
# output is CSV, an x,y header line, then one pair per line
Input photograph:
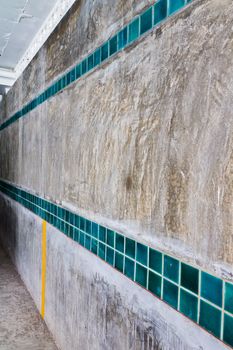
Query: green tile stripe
x,y
141,24
202,297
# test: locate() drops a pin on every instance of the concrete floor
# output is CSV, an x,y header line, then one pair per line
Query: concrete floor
x,y
21,327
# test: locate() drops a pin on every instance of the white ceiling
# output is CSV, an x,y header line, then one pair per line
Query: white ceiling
x,y
24,27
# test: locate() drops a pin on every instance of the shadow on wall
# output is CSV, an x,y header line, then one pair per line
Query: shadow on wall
x,y
8,227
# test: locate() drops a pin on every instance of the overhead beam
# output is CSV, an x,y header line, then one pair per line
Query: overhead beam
x,y
7,77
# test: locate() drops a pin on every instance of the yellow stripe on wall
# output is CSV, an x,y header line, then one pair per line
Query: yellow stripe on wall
x,y
43,268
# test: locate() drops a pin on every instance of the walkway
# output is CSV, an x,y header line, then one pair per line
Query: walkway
x,y
21,327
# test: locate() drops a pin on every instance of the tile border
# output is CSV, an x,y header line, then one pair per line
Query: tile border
x,y
150,268
139,26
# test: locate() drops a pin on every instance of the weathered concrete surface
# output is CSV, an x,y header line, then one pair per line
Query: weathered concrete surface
x,y
21,327
159,118
89,305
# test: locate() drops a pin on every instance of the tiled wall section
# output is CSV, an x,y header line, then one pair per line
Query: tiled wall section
x,y
205,299
141,24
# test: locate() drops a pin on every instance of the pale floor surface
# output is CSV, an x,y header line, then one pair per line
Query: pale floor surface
x,y
21,327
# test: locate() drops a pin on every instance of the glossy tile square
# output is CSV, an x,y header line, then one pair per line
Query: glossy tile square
x,y
211,288
102,234
229,297
160,11
171,268
82,224
110,238
95,230
84,66
119,261
141,253
94,246
134,30
81,238
87,242
210,318
120,243
146,21
90,62
110,256
155,260
113,45
228,330
188,305
102,250
104,52
130,247
122,38
170,293
155,284
189,277
97,57
175,5
129,268
141,275
88,226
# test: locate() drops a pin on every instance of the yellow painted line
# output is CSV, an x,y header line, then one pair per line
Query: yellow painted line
x,y
43,268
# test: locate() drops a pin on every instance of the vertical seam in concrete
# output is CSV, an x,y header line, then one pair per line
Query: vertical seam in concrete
x,y
43,268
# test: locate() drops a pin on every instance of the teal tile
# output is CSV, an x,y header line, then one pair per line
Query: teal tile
x,y
189,277
160,11
72,75
82,222
141,275
97,57
228,330
120,243
76,235
110,238
188,305
84,66
211,288
90,62
78,71
71,232
94,246
146,21
113,45
102,250
110,256
210,318
104,52
130,247
229,297
95,230
87,242
81,238
155,260
134,30
155,284
142,253
122,38
171,268
129,268
119,261
77,221
175,5
88,227
102,234
170,293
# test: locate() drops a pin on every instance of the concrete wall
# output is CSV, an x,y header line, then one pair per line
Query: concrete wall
x,y
88,304
142,145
